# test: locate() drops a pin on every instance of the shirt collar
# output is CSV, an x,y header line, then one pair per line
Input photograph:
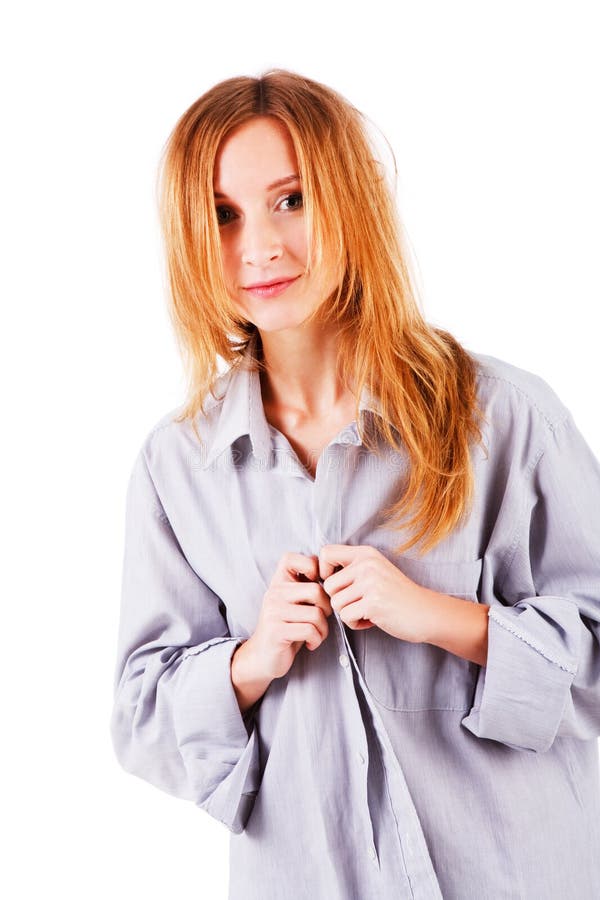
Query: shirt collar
x,y
242,412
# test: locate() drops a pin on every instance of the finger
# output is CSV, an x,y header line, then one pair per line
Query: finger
x,y
303,631
351,594
354,615
332,555
309,594
311,616
341,578
291,565
363,623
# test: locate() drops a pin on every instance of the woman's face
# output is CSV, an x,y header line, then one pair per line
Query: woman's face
x,y
258,198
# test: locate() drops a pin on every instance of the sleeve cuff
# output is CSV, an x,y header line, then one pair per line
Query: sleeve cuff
x,y
522,692
217,743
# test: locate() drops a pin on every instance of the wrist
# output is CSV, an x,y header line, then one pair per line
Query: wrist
x,y
248,683
459,626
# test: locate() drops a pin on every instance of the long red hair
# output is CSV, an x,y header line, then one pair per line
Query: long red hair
x,y
424,380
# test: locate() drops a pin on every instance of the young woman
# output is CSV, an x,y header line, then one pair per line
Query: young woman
x,y
361,585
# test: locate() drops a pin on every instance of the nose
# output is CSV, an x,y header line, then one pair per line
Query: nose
x,y
261,243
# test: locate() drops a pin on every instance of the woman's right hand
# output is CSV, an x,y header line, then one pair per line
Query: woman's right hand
x,y
293,611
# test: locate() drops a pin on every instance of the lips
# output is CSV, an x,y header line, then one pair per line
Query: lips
x,y
265,284
271,289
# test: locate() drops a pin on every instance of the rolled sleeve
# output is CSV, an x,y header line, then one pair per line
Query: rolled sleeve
x,y
218,745
542,676
176,721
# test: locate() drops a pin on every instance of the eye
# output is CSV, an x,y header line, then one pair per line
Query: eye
x,y
223,211
225,215
296,199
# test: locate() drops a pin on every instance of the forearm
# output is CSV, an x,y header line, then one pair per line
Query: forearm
x,y
459,626
247,686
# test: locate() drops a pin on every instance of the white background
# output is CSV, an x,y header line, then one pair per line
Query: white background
x,y
492,112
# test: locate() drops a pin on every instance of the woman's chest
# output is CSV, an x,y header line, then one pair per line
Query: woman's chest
x,y
235,522
309,437
237,528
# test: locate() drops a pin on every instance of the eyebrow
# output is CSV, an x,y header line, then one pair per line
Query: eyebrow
x,y
270,187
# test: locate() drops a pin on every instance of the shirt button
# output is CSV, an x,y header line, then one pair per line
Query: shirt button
x,y
360,756
344,661
371,852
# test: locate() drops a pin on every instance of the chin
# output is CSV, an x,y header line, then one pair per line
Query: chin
x,y
276,319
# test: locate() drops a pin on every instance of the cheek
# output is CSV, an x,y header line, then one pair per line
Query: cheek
x,y
229,260
294,239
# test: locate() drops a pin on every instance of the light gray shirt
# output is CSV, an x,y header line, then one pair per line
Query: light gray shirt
x,y
376,767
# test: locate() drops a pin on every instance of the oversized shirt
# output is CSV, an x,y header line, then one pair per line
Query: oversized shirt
x,y
375,768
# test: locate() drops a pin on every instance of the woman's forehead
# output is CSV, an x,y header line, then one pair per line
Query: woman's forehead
x,y
259,152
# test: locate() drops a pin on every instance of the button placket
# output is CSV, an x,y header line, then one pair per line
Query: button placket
x,y
362,755
412,844
417,863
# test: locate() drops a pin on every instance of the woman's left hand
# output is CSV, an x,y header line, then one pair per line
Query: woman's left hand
x,y
370,590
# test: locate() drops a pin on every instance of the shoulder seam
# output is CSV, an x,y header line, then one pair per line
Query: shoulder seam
x,y
509,556
159,509
160,427
551,425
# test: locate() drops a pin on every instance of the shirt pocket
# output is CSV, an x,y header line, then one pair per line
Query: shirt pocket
x,y
407,676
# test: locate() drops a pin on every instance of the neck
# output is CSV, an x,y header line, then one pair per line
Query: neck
x,y
300,371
